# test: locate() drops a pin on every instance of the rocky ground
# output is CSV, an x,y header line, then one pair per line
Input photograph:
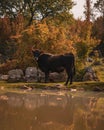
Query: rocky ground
x,y
93,79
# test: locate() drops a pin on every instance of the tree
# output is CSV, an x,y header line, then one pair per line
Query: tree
x,y
88,10
35,9
11,8
97,30
41,9
99,6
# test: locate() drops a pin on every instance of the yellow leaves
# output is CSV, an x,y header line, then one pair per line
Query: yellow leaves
x,y
41,31
55,39
29,30
48,37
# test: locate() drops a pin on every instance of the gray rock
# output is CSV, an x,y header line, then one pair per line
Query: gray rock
x,y
57,77
15,75
90,75
30,72
4,77
33,74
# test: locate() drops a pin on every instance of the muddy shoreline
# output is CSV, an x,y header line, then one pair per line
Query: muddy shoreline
x,y
76,86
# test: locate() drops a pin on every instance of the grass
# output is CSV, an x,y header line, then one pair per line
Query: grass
x,y
89,85
21,86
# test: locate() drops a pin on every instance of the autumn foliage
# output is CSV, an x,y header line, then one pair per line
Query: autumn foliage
x,y
59,33
49,37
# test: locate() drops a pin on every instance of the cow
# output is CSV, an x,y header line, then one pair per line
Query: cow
x,y
49,63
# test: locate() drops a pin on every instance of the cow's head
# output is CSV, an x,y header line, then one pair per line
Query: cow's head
x,y
36,53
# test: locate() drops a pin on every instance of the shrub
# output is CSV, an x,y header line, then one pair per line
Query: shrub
x,y
82,50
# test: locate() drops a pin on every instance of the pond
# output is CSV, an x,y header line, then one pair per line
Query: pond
x,y
52,110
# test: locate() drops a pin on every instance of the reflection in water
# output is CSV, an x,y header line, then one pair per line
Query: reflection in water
x,y
52,111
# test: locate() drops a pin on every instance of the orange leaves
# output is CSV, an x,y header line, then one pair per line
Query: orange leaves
x,y
5,28
47,37
54,39
42,31
11,28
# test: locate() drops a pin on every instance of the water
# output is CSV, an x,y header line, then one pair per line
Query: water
x,y
52,110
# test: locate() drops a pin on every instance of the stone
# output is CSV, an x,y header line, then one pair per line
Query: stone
x,y
90,75
57,77
15,75
32,74
4,77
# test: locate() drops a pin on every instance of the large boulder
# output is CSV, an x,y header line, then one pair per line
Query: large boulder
x,y
32,74
90,75
57,77
15,75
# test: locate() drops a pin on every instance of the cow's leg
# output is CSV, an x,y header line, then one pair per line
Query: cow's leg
x,y
70,76
66,83
72,73
46,76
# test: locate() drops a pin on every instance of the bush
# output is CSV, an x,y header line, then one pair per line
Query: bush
x,y
82,50
5,67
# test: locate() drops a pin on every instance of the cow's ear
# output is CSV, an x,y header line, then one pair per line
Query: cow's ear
x,y
33,48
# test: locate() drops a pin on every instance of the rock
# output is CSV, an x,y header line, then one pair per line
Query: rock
x,y
32,74
89,69
90,75
57,77
4,77
15,75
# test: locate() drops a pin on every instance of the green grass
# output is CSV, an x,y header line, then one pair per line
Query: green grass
x,y
20,84
89,85
19,87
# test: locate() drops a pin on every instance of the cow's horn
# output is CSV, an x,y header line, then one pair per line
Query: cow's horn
x,y
33,48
